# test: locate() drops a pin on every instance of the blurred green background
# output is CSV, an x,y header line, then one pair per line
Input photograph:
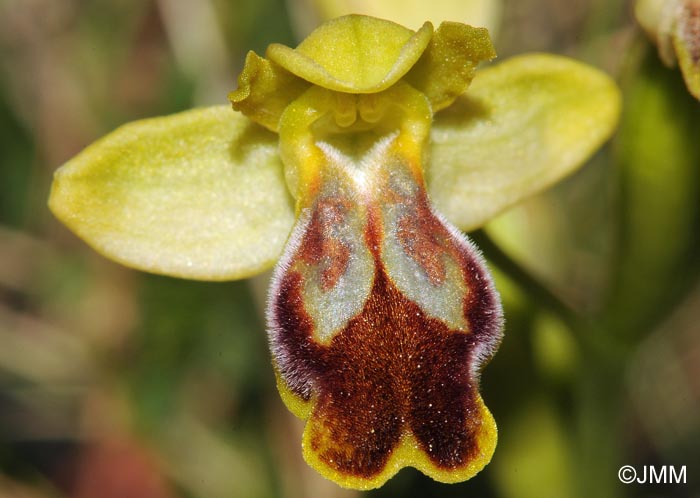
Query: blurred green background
x,y
115,383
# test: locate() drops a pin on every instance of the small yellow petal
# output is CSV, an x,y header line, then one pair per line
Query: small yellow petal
x,y
447,67
264,90
198,195
523,125
356,54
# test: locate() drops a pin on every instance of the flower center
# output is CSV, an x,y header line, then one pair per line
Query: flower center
x,y
325,133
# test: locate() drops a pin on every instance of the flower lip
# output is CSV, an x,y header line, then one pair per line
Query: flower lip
x,y
354,54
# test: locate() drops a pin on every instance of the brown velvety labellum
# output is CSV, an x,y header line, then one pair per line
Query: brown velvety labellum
x,y
392,369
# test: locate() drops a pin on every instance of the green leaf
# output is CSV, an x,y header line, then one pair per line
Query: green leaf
x,y
522,125
199,195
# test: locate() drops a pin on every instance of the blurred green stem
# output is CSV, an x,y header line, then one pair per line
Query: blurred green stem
x,y
597,388
524,279
592,336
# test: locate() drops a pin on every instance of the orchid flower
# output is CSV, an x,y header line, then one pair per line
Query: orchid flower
x,y
674,25
354,161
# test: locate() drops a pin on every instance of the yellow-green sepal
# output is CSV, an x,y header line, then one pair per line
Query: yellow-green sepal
x,y
200,195
523,125
354,54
